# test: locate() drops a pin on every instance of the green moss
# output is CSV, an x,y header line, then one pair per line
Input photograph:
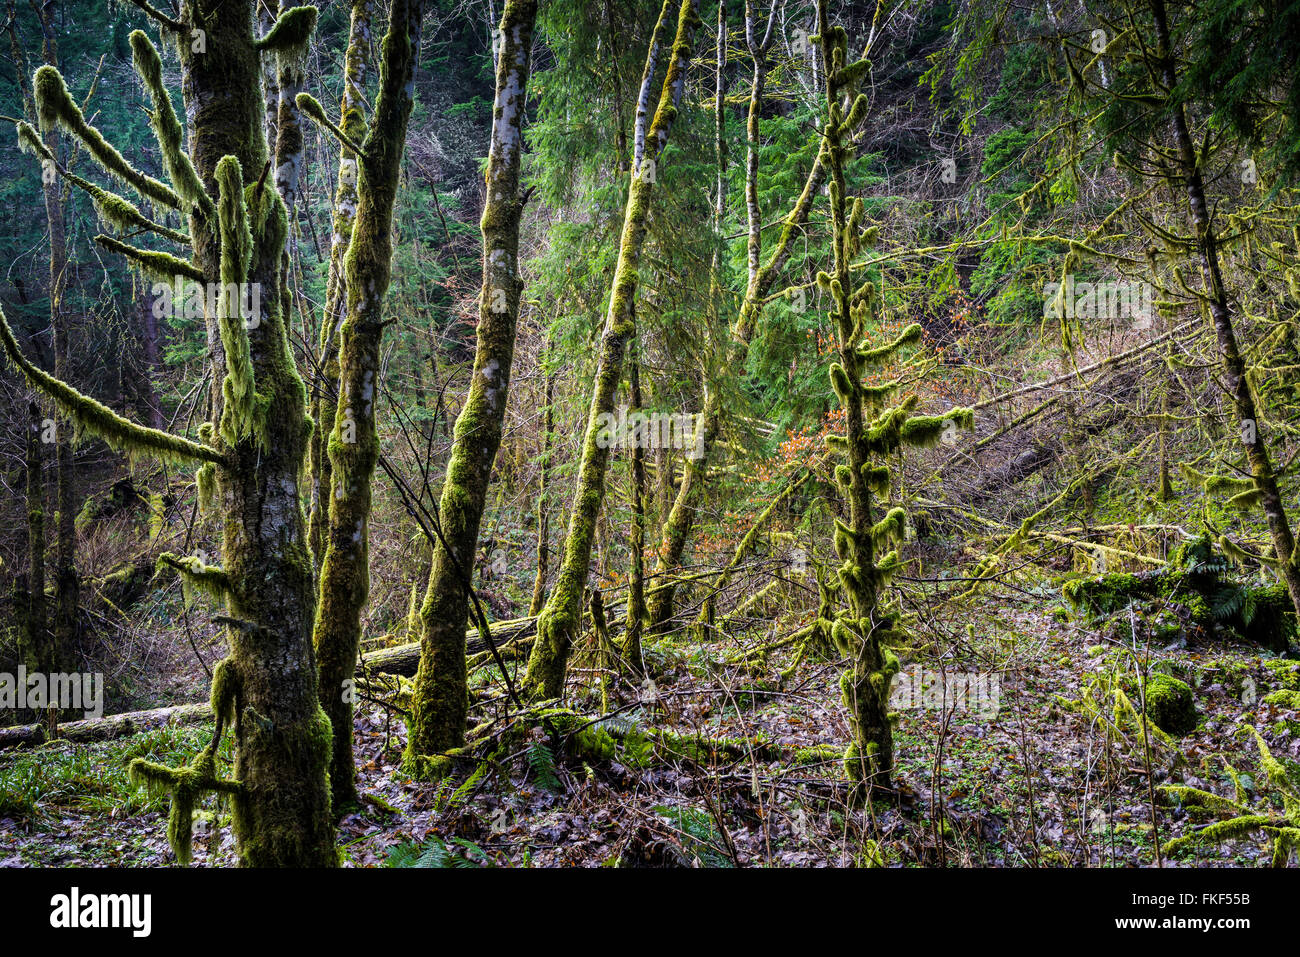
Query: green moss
x,y
55,105
98,419
167,128
1170,704
161,266
1283,698
185,785
291,33
1107,594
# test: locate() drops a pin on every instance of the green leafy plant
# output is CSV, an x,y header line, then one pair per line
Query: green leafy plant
x,y
435,852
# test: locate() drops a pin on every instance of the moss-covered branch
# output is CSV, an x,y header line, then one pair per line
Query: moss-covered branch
x,y
312,107
54,105
114,210
167,128
158,265
101,421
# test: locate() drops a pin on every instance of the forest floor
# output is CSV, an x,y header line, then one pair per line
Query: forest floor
x,y
1027,782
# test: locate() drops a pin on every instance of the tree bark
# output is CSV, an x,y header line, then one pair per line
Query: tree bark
x,y
1234,366
440,702
354,441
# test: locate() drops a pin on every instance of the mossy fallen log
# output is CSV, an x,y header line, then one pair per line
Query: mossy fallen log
x,y
405,659
398,660
1196,581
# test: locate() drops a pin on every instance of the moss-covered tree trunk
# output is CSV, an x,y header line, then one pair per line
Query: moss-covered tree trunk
x,y
636,606
543,506
681,517
441,700
66,583
1252,433
863,630
324,397
354,441
36,649
865,686
251,452
560,618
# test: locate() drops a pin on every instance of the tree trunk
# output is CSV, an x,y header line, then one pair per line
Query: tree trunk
x,y
1234,366
66,584
560,619
543,507
354,442
352,122
440,702
252,450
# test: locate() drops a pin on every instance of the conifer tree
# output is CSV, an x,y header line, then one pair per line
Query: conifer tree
x,y
558,624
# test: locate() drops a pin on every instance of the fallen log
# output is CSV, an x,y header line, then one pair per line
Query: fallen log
x,y
405,659
398,660
109,727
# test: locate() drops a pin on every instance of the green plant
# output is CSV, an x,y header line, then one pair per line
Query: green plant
x,y
435,852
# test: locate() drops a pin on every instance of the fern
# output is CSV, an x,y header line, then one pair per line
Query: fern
x,y
438,853
541,763
699,837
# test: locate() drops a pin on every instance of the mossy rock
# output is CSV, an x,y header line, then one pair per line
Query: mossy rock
x,y
1107,594
1170,705
1192,592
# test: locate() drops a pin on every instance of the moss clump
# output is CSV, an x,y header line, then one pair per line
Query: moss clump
x,y
1283,698
1170,705
1098,597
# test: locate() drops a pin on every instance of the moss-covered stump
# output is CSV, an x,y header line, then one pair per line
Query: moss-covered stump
x,y
1194,586
1170,705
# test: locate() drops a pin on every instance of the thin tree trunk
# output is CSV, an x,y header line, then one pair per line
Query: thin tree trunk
x,y
1234,366
636,609
440,703
543,507
560,619
354,441
66,584
352,121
